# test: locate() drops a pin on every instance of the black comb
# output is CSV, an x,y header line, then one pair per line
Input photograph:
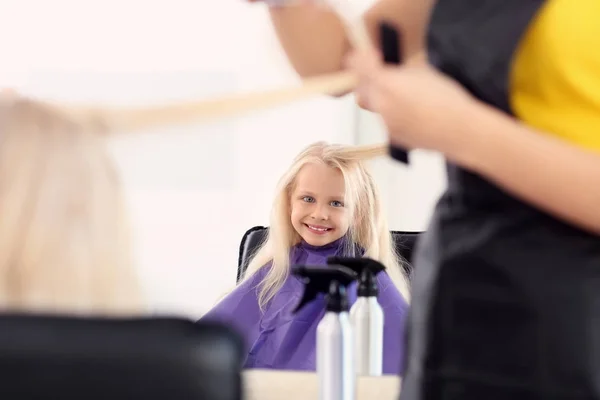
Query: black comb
x,y
389,38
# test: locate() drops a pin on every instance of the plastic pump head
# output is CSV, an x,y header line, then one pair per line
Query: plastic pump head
x,y
329,279
367,270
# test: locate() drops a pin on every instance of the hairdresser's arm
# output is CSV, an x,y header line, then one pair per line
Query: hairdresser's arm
x,y
545,171
315,42
549,173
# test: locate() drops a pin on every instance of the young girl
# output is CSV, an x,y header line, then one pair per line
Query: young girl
x,y
63,239
327,205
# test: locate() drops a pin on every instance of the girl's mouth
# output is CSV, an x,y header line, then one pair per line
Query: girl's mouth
x,y
317,229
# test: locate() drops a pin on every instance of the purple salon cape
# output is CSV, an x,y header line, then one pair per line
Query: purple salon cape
x,y
278,339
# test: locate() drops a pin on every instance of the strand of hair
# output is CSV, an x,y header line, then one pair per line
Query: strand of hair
x,y
124,120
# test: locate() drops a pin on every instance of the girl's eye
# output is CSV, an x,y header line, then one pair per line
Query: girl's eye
x,y
336,203
308,199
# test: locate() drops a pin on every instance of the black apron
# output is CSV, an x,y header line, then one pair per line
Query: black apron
x,y
506,299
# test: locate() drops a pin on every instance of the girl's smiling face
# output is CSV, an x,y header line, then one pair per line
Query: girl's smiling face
x,y
317,206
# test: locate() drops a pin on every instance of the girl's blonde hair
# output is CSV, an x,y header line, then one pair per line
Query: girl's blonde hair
x,y
368,225
64,242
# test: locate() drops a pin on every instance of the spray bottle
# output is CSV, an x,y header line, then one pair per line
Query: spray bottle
x,y
335,370
366,315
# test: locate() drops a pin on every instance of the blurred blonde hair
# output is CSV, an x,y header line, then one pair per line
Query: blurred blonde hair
x,y
64,240
368,225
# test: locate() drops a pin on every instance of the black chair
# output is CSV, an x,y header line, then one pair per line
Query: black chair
x,y
254,237
53,357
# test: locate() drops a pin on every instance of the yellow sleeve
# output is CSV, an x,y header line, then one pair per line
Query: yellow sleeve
x,y
555,74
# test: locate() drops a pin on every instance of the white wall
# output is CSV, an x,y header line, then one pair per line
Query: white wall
x,y
194,190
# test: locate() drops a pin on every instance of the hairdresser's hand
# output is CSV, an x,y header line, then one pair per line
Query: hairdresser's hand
x,y
421,107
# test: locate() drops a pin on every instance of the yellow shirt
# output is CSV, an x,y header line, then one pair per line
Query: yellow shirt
x,y
555,75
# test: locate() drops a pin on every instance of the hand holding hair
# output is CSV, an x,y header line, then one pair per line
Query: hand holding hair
x,y
420,107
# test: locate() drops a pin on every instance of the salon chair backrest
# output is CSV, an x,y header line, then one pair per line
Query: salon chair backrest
x,y
254,237
68,358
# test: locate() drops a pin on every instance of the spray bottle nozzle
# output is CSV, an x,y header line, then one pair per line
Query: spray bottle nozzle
x,y
366,268
329,279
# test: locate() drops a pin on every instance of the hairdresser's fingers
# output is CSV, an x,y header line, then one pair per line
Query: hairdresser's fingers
x,y
371,95
365,62
362,98
8,95
9,92
391,87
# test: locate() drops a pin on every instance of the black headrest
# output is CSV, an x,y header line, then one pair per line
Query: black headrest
x,y
252,239
48,357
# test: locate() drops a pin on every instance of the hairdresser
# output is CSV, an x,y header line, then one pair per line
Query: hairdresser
x,y
506,295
